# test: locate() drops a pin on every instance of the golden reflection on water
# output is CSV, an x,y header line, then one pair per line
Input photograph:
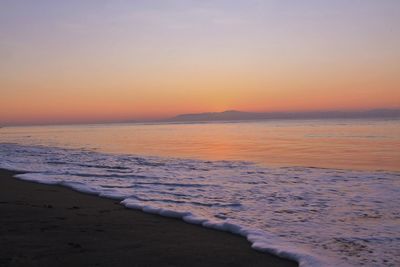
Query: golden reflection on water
x,y
343,144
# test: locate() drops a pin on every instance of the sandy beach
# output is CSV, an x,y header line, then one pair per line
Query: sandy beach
x,y
42,225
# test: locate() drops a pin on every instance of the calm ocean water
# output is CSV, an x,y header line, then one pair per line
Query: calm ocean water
x,y
326,193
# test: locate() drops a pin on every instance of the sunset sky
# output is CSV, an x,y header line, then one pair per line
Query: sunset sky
x,y
78,61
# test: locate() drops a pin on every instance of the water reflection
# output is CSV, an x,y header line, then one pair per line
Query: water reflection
x,y
348,144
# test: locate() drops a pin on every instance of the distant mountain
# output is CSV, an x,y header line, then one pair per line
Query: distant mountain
x,y
232,115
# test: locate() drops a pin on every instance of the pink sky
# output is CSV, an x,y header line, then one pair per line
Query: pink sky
x,y
102,60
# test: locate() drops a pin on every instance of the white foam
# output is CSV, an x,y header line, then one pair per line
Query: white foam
x,y
193,219
35,177
304,214
132,204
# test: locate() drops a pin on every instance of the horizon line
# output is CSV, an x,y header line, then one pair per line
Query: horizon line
x,y
170,119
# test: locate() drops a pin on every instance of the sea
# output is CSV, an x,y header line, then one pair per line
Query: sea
x,y
321,192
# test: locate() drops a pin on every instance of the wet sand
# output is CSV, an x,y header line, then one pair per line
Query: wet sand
x,y
46,225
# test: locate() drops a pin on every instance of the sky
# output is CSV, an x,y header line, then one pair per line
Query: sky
x,y
93,61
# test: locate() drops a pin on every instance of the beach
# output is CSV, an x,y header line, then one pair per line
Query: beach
x,y
199,133
316,216
47,225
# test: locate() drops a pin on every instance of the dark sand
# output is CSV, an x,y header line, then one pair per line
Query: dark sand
x,y
42,225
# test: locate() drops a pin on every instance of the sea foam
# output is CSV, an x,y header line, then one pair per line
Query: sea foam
x,y
318,217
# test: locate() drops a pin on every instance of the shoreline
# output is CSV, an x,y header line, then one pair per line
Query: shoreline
x,y
48,225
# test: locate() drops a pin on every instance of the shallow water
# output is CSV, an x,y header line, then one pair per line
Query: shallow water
x,y
341,144
347,215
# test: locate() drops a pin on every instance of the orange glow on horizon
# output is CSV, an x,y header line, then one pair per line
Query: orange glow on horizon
x,y
139,62
119,98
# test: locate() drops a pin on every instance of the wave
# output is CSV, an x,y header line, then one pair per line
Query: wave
x,y
317,217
